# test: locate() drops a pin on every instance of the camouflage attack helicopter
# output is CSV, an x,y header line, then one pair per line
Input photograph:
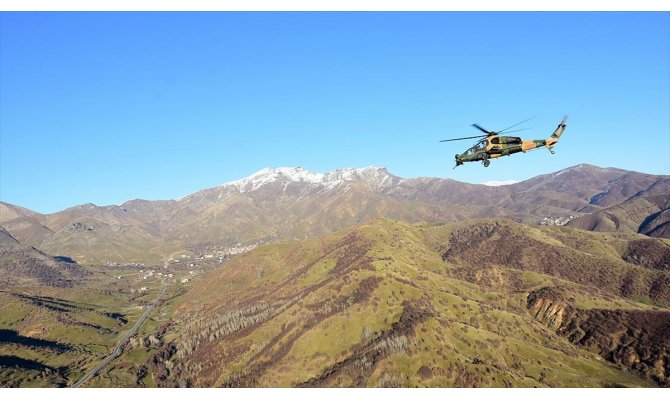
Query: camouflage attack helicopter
x,y
494,145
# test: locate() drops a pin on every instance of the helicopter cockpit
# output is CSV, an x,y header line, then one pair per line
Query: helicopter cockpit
x,y
479,146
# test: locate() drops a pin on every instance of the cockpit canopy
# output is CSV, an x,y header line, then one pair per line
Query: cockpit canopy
x,y
505,140
479,146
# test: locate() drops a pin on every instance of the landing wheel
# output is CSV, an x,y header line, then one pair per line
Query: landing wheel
x,y
486,162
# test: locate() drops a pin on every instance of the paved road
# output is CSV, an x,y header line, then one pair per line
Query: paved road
x,y
119,345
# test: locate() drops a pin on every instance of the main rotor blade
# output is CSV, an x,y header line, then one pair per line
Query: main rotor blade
x,y
519,130
481,129
463,138
517,124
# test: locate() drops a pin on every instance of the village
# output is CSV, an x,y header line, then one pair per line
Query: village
x,y
180,268
557,221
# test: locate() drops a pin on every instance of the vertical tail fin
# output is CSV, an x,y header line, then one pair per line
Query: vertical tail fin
x,y
553,139
559,130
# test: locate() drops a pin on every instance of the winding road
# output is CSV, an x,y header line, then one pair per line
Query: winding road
x,y
119,345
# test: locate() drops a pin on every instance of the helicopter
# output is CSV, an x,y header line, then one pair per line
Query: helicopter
x,y
494,145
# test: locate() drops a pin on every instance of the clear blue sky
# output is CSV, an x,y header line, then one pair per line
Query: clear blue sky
x,y
109,107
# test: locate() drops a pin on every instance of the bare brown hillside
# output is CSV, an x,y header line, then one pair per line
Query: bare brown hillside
x,y
22,266
646,215
586,259
636,339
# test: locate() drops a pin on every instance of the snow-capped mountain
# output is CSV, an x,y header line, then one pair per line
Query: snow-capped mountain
x,y
376,178
289,203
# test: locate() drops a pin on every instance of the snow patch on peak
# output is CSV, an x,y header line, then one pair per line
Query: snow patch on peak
x,y
376,177
299,174
500,183
264,171
270,175
579,167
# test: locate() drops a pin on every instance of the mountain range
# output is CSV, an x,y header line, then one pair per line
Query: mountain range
x,y
293,204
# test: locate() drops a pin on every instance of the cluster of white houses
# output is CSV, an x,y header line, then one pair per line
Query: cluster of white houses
x,y
556,221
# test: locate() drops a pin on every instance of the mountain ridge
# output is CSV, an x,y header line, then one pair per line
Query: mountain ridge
x,y
288,203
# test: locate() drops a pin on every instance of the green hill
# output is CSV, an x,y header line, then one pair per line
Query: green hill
x,y
392,304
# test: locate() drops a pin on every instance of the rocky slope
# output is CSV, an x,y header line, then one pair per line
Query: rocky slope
x,y
639,340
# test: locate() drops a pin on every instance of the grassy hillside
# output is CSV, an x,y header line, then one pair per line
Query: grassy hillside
x,y
486,303
50,335
392,304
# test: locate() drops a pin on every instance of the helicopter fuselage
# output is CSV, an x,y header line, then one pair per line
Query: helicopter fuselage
x,y
504,146
495,146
